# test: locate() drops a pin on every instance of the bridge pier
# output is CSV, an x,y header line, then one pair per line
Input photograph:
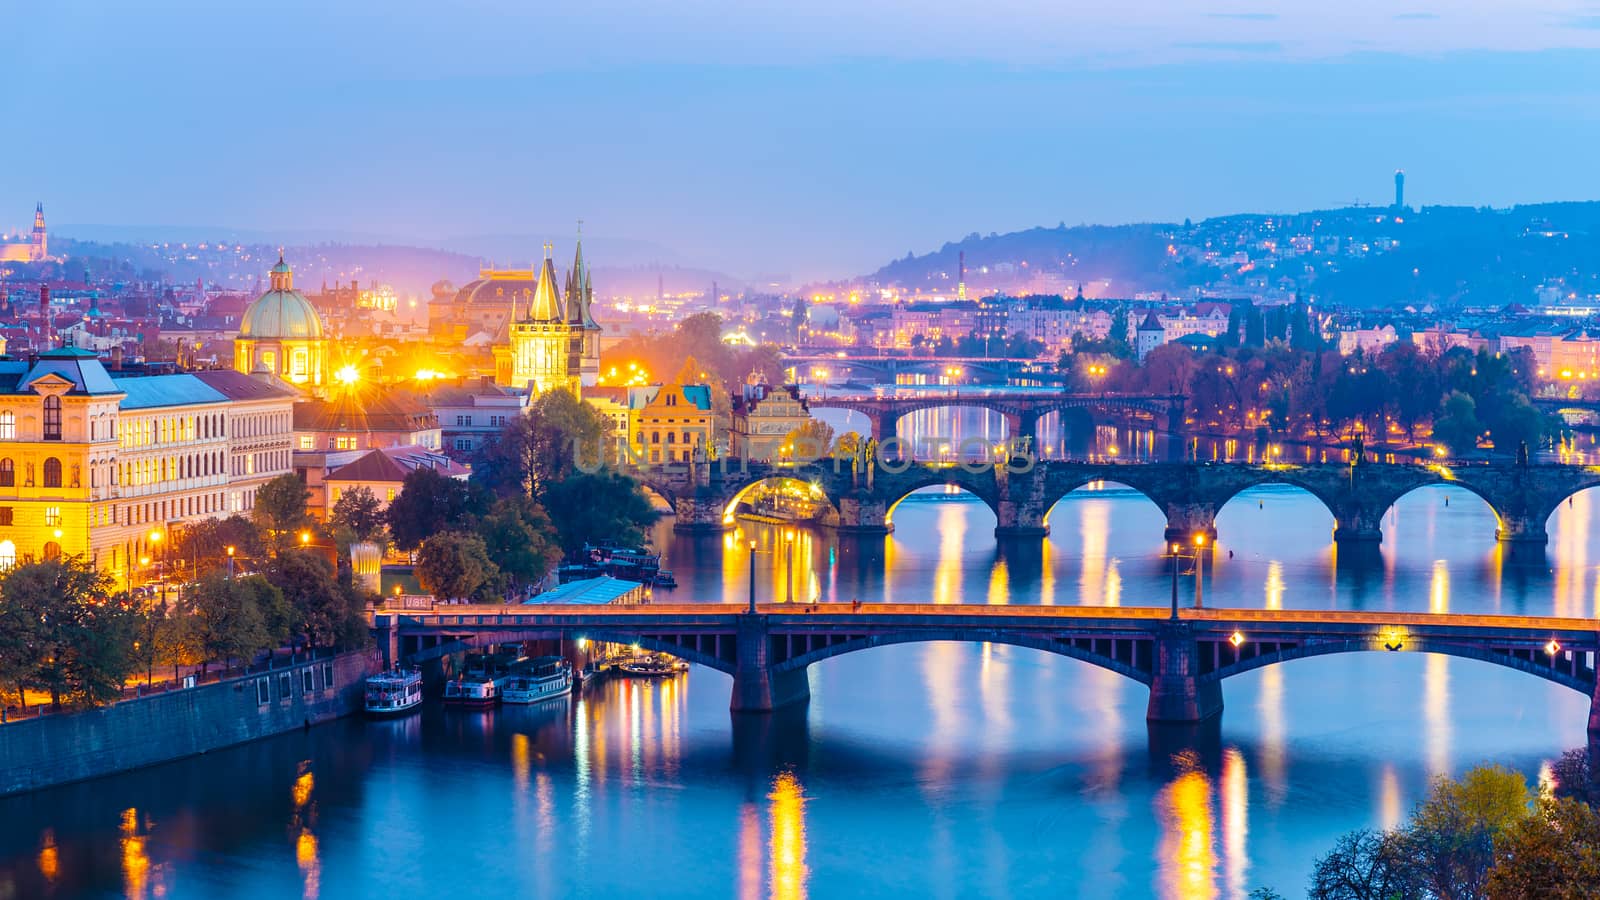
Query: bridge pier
x,y
1523,537
1186,520
1023,504
864,516
694,515
757,688
1177,692
387,633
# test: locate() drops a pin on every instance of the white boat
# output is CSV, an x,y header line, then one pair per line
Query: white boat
x,y
540,679
393,693
647,667
479,686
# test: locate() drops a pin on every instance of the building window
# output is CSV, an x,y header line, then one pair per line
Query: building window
x,y
52,418
8,426
307,442
8,555
52,516
344,443
463,443
283,686
327,675
6,515
263,691
8,473
52,550
307,679
390,497
52,472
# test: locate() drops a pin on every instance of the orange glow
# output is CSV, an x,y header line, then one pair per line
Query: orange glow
x,y
788,843
1188,858
49,857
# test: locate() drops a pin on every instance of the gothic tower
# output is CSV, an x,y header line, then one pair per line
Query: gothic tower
x,y
580,319
41,240
541,339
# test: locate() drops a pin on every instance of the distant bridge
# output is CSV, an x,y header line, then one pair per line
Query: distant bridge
x,y
863,495
1021,410
1182,660
826,368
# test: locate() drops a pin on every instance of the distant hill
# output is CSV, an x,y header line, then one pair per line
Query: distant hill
x,y
1357,256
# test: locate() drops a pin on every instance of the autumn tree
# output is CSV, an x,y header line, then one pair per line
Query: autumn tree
x,y
454,566
1551,855
360,513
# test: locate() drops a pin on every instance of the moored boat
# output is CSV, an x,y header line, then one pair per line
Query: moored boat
x,y
479,686
393,693
647,667
538,679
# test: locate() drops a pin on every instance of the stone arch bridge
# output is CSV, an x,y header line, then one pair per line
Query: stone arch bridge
x,y
1022,410
1021,493
1182,656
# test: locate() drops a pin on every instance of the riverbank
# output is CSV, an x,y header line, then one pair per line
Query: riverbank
x,y
60,749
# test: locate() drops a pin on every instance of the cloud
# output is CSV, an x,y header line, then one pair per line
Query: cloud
x,y
1232,46
1244,16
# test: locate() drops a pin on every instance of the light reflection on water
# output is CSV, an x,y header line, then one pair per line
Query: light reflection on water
x,y
940,769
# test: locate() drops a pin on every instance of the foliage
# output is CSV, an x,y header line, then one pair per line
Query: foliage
x,y
520,542
205,543
428,503
455,566
1573,777
64,631
1551,855
280,511
1457,426
599,507
235,618
1364,865
359,511
329,613
540,447
810,441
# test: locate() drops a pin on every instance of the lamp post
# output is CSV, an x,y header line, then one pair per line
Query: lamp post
x,y
155,541
1199,570
230,562
752,609
788,565
1174,549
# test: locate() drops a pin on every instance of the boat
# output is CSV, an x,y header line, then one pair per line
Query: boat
x,y
393,693
538,679
647,667
665,578
480,683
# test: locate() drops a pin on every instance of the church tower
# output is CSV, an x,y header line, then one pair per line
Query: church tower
x,y
541,339
41,240
585,332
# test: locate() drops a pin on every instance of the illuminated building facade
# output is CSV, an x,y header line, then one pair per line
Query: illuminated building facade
x,y
282,334
107,468
763,416
35,249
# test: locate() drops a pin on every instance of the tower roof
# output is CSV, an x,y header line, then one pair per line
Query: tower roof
x,y
546,304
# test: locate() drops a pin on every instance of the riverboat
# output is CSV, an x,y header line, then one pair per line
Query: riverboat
x,y
393,693
647,667
539,679
479,686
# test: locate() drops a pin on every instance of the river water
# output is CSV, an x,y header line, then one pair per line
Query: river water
x,y
935,770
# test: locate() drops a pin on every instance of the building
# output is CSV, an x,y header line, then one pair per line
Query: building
x,y
260,432
37,246
550,345
763,416
1150,335
108,468
676,425
281,333
331,433
383,472
470,411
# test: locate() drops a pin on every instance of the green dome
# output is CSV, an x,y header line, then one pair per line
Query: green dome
x,y
281,314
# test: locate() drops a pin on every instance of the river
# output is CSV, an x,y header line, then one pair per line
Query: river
x,y
936,770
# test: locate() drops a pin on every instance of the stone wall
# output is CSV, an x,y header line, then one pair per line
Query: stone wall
x,y
51,750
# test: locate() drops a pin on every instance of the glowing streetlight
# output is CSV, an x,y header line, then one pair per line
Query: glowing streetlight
x,y
347,375
305,538
752,609
1236,639
788,544
230,561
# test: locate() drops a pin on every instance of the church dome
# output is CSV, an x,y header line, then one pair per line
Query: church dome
x,y
281,312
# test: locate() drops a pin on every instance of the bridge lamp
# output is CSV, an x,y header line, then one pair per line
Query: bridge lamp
x,y
1392,640
583,643
1200,540
1553,647
1236,639
636,648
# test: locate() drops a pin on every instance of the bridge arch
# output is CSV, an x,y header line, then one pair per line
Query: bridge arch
x,y
1129,656
1086,488
1388,504
655,643
1566,669
903,490
805,490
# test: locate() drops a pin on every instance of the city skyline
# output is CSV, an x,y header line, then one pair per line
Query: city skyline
x,y
775,144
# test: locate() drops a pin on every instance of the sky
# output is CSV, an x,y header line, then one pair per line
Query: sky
x,y
792,141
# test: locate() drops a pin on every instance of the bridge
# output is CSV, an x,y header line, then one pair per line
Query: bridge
x,y
863,493
814,367
1182,659
1022,410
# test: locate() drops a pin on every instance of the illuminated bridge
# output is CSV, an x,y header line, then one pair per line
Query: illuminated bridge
x,y
1183,661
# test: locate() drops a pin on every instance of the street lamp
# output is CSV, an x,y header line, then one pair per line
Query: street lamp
x,y
1199,570
788,565
752,609
155,540
305,538
230,562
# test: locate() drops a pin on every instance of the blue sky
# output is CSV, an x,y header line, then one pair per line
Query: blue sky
x,y
805,140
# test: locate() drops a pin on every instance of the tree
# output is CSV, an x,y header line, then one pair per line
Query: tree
x,y
206,542
359,511
280,511
236,618
1457,426
1513,422
1451,835
1551,855
328,612
520,541
65,631
428,504
1364,865
604,506
541,447
454,566
809,442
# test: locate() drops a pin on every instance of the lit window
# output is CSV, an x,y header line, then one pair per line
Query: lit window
x,y
52,516
306,442
390,497
8,555
8,426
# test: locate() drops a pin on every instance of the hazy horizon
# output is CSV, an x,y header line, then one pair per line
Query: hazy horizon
x,y
818,143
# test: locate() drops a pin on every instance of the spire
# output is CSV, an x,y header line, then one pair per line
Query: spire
x,y
546,305
282,275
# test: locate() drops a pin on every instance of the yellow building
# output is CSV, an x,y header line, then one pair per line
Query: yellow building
x,y
108,468
763,418
550,344
281,333
676,425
